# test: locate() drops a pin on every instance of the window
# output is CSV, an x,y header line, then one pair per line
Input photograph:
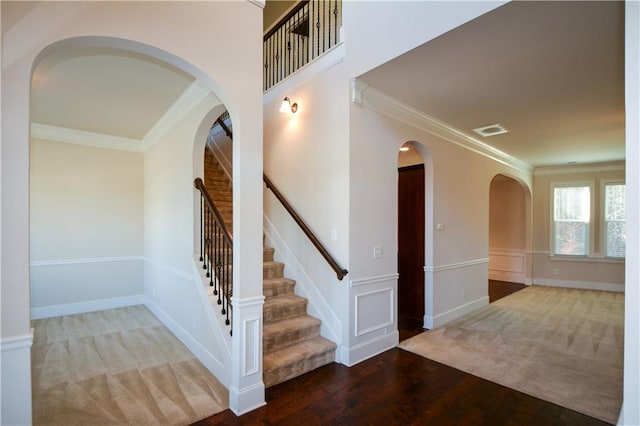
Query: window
x,y
571,218
614,219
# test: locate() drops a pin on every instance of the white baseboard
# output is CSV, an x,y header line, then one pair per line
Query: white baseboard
x,y
247,399
584,285
214,365
16,380
84,307
512,277
352,355
455,313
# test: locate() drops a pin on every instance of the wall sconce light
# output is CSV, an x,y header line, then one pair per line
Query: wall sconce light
x,y
287,107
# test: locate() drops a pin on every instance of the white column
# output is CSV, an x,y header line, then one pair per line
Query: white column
x,y
247,388
630,414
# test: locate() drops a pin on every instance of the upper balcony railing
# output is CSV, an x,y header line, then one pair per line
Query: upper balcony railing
x,y
311,28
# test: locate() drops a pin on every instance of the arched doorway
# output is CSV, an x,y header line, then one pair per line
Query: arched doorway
x,y
509,204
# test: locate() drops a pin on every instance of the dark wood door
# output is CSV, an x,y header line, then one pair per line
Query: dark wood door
x,y
411,242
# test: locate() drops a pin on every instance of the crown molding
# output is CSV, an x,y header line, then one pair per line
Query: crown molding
x,y
259,3
579,168
80,137
376,100
357,88
191,97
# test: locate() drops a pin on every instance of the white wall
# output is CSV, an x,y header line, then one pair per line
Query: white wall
x,y
595,272
306,156
170,284
630,414
86,217
28,28
457,186
341,175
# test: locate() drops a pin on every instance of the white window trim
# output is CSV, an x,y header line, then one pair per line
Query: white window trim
x,y
603,226
591,234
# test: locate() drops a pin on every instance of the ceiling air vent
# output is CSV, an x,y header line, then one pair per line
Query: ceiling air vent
x,y
491,130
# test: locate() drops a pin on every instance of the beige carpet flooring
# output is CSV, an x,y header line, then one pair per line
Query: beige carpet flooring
x,y
560,345
118,367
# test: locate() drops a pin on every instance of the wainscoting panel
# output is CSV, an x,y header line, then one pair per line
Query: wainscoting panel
x,y
454,290
16,380
72,286
373,319
374,310
507,265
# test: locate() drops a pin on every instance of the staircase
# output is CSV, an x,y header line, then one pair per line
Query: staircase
x,y
292,344
219,187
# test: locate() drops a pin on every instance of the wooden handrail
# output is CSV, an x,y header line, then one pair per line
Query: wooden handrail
x,y
199,185
222,124
340,272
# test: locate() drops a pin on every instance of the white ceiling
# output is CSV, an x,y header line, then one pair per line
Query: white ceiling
x,y
550,72
105,91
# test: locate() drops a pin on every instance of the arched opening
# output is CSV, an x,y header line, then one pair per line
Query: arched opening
x,y
414,205
112,211
218,166
107,135
509,236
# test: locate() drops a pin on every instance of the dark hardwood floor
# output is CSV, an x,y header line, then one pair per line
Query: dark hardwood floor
x,y
400,388
500,289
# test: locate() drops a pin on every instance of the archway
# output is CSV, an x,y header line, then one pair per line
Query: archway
x,y
112,217
94,169
36,28
509,235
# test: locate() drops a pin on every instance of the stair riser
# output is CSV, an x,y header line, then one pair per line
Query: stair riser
x,y
290,371
282,340
219,194
218,182
267,254
272,271
272,314
279,290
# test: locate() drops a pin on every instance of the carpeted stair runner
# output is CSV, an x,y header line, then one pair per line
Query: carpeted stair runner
x,y
292,344
291,341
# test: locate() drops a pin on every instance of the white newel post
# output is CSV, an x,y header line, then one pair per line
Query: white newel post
x,y
247,388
